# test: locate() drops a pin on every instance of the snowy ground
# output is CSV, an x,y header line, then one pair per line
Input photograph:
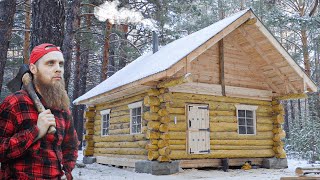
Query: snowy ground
x,y
96,172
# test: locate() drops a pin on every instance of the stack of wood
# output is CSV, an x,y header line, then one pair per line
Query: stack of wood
x,y
153,133
279,133
89,115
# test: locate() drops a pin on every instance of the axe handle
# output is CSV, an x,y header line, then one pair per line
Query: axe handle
x,y
27,84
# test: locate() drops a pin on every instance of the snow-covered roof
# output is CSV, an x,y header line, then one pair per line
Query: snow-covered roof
x,y
163,59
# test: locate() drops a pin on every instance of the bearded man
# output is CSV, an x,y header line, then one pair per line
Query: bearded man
x,y
27,151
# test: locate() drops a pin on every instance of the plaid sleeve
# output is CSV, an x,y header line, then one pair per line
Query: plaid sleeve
x,y
14,141
69,146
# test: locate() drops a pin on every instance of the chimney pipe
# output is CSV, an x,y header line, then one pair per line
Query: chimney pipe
x,y
155,42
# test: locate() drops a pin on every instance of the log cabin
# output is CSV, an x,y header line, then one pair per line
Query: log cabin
x,y
208,98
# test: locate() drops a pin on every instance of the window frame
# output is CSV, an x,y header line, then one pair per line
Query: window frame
x,y
104,113
254,116
131,107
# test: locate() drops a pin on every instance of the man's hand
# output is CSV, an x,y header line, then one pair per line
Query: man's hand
x,y
45,120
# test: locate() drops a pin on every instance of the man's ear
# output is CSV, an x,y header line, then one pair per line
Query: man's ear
x,y
33,68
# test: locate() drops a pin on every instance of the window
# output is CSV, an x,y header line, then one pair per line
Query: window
x,y
246,116
135,117
105,122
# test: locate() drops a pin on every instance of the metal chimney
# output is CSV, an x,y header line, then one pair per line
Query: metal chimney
x,y
155,42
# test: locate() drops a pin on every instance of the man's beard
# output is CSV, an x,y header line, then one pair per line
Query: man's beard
x,y
54,94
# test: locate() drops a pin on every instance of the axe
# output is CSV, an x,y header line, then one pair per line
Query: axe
x,y
24,79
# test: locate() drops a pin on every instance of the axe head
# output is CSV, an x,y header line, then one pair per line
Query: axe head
x,y
16,83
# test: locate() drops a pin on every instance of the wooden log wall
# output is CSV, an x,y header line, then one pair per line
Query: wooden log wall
x,y
279,133
225,142
157,117
119,142
89,115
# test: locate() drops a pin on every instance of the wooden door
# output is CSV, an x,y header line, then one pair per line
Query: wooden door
x,y
198,129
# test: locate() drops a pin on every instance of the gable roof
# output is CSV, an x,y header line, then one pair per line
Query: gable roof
x,y
150,64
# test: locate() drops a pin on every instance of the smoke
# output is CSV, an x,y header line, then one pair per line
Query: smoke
x,y
110,11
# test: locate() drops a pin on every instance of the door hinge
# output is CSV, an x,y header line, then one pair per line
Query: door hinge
x,y
207,129
189,123
208,151
204,107
191,151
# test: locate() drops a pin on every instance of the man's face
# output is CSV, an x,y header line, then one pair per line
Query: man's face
x,y
49,71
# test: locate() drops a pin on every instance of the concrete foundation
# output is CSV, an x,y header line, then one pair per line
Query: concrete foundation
x,y
157,168
275,163
89,159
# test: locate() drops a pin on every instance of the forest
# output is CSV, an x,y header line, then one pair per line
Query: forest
x,y
100,37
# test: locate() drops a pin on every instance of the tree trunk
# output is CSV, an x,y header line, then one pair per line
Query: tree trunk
x,y
105,62
7,11
286,118
47,22
305,52
73,11
26,44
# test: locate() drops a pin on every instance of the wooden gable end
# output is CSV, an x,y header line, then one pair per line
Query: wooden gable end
x,y
251,61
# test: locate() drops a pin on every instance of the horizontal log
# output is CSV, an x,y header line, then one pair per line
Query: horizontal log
x,y
188,96
136,144
114,114
89,114
121,104
163,143
163,90
260,142
165,119
150,134
177,142
165,136
121,151
120,119
154,109
90,143
177,135
235,135
140,157
164,128
265,120
264,127
153,125
163,159
278,149
119,131
88,152
151,101
232,147
120,138
176,81
88,137
152,155
153,141
278,119
153,92
279,136
119,126
149,116
180,126
178,147
165,151
163,112
176,110
182,154
151,147
88,125
223,127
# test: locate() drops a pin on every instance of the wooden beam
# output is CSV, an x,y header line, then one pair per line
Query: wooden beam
x,y
286,55
177,81
221,67
254,45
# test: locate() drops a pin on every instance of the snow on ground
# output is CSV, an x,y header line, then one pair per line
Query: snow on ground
x,y
97,171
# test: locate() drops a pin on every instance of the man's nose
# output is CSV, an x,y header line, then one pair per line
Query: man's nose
x,y
58,68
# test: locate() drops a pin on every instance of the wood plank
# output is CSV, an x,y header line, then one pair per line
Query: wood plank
x,y
221,67
267,59
117,161
312,86
200,163
215,89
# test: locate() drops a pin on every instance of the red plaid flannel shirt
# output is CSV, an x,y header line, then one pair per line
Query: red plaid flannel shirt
x,y
20,157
